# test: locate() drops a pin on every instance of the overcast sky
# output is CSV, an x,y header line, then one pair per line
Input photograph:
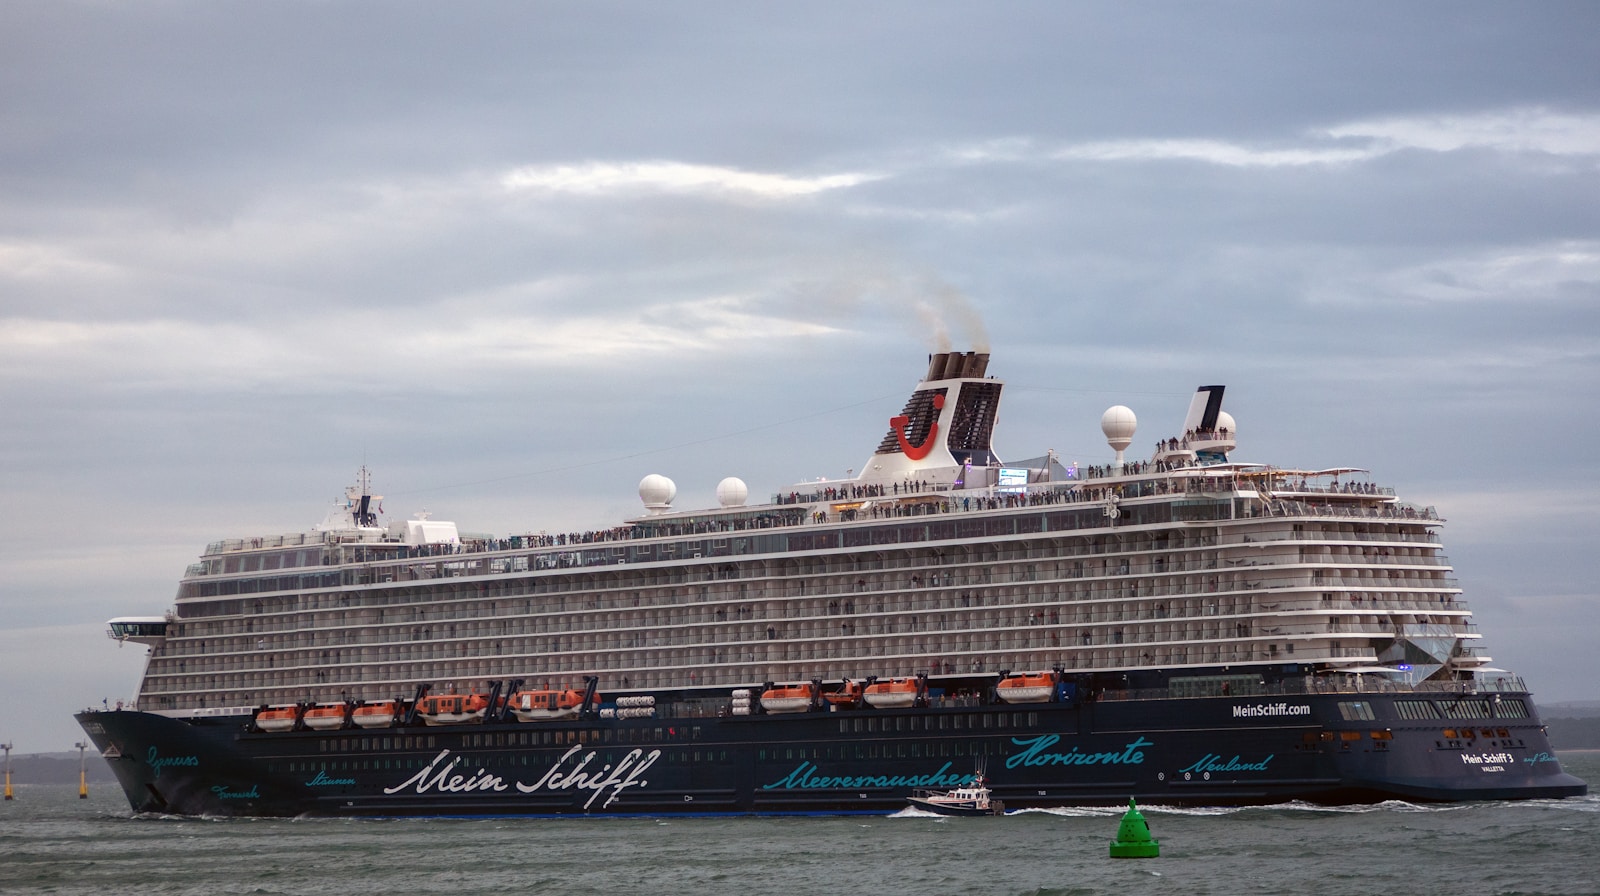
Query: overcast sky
x,y
514,257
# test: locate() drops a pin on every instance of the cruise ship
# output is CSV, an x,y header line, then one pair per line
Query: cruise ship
x,y
1184,628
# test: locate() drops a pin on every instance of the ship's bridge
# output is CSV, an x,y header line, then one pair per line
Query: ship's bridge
x,y
151,630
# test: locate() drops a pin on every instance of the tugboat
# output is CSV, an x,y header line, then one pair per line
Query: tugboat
x,y
972,799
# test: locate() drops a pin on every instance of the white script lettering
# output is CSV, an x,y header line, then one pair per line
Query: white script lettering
x,y
443,781
619,778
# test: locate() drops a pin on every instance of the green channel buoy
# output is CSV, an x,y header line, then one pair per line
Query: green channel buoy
x,y
1133,837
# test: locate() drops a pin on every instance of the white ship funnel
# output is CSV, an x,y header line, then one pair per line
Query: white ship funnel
x,y
1203,410
947,424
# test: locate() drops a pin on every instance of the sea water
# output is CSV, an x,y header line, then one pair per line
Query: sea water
x,y
53,842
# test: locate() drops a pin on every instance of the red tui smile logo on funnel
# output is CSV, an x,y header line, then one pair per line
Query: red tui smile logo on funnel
x,y
916,452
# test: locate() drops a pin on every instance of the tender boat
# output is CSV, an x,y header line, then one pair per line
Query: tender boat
x,y
452,709
544,706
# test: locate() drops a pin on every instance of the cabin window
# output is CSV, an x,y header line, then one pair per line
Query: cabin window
x,y
1356,711
1467,709
1510,708
1416,709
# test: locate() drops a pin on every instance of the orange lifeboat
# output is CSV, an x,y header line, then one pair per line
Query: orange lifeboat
x,y
380,714
544,706
1027,687
848,695
788,698
452,709
325,716
892,693
278,718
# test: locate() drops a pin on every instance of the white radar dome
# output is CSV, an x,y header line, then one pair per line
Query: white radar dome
x,y
732,492
1119,423
1225,424
657,492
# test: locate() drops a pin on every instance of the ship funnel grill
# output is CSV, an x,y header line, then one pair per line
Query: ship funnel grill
x,y
956,365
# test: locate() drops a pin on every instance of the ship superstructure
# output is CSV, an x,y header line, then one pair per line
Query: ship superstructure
x,y
1185,576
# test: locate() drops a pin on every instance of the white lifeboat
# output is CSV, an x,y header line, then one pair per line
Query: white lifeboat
x,y
1027,687
788,698
379,714
325,716
892,694
278,718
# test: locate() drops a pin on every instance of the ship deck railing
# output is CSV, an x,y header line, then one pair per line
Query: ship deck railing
x,y
895,506
1220,686
1308,617
1340,683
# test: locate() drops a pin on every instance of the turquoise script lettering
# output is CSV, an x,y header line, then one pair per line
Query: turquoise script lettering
x,y
1035,752
805,777
158,762
322,780
1212,762
223,793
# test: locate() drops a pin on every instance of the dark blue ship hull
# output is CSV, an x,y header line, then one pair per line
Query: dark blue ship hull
x,y
1324,748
